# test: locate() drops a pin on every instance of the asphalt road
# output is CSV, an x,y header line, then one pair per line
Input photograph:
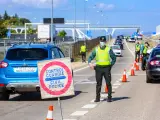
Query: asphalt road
x,y
133,100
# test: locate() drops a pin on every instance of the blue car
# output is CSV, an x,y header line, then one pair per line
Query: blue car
x,y
19,71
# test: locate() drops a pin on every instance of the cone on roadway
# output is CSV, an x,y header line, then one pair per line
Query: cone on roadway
x,y
50,113
132,71
106,89
137,66
124,78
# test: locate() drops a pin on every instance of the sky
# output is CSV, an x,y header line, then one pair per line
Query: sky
x,y
144,13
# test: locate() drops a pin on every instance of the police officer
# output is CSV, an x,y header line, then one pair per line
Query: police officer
x,y
144,55
137,51
83,52
105,59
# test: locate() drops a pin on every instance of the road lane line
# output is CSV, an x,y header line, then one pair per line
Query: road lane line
x,y
69,119
89,106
80,69
115,87
129,49
104,95
79,113
91,75
117,84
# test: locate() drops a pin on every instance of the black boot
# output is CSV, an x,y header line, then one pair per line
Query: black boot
x,y
97,100
109,99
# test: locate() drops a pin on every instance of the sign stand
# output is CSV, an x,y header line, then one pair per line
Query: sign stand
x,y
59,102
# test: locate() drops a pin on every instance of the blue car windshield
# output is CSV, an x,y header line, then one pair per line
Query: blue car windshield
x,y
27,54
156,53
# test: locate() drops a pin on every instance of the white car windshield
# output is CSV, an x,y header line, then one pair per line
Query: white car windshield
x,y
115,47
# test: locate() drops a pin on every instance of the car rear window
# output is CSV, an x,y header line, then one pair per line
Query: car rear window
x,y
115,47
27,54
156,53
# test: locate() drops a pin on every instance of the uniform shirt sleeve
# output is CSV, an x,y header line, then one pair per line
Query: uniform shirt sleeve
x,y
92,56
113,57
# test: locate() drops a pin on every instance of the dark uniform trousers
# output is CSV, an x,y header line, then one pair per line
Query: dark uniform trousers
x,y
137,54
144,58
83,56
103,71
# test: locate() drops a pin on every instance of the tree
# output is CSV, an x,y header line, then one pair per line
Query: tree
x,y
62,34
16,16
3,29
30,30
24,20
13,31
1,17
6,16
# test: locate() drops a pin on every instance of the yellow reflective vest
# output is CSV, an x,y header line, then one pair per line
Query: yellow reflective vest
x,y
138,47
103,56
83,48
145,50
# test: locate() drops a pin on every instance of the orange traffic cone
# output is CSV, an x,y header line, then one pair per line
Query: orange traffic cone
x,y
50,113
137,66
106,89
132,71
124,78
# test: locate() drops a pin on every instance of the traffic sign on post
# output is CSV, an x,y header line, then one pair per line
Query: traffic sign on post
x,y
8,34
89,33
55,78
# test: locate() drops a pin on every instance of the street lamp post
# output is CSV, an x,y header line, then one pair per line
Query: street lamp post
x,y
52,23
75,21
85,1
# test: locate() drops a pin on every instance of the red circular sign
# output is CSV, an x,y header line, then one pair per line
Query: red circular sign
x,y
69,78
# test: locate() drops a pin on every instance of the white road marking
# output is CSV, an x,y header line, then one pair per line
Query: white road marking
x,y
86,83
104,95
84,75
92,75
115,87
117,84
132,52
81,69
92,101
69,119
79,113
89,106
118,81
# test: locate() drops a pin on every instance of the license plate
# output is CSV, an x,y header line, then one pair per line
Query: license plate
x,y
25,69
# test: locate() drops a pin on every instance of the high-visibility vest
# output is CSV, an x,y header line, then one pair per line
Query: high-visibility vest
x,y
103,56
145,50
83,48
138,47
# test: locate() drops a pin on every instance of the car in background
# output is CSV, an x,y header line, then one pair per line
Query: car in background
x,y
117,50
19,71
131,40
119,43
118,40
120,37
139,37
153,65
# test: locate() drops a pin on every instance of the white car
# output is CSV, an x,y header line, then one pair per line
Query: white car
x,y
139,37
131,40
117,50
